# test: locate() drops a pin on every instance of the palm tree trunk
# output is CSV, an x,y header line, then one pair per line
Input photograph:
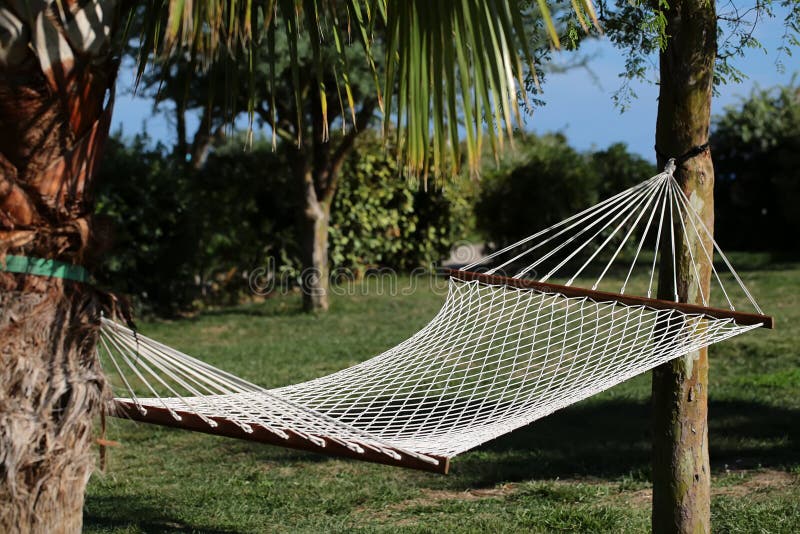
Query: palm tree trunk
x,y
52,386
57,71
681,473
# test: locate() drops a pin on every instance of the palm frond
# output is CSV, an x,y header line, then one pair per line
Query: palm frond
x,y
452,69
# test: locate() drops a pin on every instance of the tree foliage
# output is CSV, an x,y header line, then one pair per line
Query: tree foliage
x,y
182,239
381,219
186,240
450,67
546,181
756,150
637,28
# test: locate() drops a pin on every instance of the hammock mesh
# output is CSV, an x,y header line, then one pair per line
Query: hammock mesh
x,y
494,358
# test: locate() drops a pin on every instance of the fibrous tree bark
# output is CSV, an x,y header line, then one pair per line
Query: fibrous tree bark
x,y
57,71
681,477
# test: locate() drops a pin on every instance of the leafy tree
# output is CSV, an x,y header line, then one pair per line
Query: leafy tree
x,y
153,233
316,136
619,169
381,219
183,246
547,181
756,156
447,60
312,152
58,64
696,43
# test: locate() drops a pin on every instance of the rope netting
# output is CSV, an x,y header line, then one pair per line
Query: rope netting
x,y
622,241
494,358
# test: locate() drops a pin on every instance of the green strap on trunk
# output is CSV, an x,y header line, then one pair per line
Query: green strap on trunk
x,y
43,267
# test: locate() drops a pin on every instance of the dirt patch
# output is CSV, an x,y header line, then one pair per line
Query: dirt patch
x,y
639,498
757,482
431,497
751,483
215,330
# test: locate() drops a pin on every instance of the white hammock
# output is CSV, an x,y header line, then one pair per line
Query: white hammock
x,y
501,353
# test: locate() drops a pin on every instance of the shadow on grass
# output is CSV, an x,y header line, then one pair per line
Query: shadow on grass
x,y
602,439
113,512
612,439
595,440
253,310
265,453
598,439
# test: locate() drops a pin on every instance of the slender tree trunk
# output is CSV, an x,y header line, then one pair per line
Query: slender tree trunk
x,y
54,83
316,165
681,475
204,140
312,230
181,146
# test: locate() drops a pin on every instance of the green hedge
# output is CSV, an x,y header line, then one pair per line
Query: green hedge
x,y
381,219
188,238
545,181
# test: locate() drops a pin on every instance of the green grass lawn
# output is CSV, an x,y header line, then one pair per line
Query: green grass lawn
x,y
583,469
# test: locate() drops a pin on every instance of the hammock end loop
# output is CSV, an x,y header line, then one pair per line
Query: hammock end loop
x,y
669,168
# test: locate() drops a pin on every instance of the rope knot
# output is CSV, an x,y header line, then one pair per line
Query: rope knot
x,y
680,160
670,167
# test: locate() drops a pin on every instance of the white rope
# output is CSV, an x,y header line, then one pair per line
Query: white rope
x,y
688,212
565,243
609,201
122,376
645,232
493,359
288,416
653,196
657,248
643,202
690,245
674,255
531,353
708,235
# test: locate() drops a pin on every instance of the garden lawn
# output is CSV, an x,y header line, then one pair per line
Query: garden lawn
x,y
583,469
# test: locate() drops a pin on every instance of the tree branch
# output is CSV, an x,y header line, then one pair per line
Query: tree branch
x,y
341,152
282,128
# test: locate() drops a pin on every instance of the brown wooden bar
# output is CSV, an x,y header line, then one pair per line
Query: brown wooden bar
x,y
225,427
741,318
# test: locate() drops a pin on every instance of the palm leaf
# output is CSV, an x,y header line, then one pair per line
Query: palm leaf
x,y
452,69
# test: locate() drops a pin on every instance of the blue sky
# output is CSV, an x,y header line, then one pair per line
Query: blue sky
x,y
578,102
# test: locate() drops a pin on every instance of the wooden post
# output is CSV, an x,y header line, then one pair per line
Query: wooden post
x,y
681,477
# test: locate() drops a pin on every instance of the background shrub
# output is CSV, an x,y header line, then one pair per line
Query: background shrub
x,y
546,181
379,218
756,151
185,237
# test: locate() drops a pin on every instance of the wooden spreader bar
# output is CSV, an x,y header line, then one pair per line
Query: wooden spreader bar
x,y
741,318
225,427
